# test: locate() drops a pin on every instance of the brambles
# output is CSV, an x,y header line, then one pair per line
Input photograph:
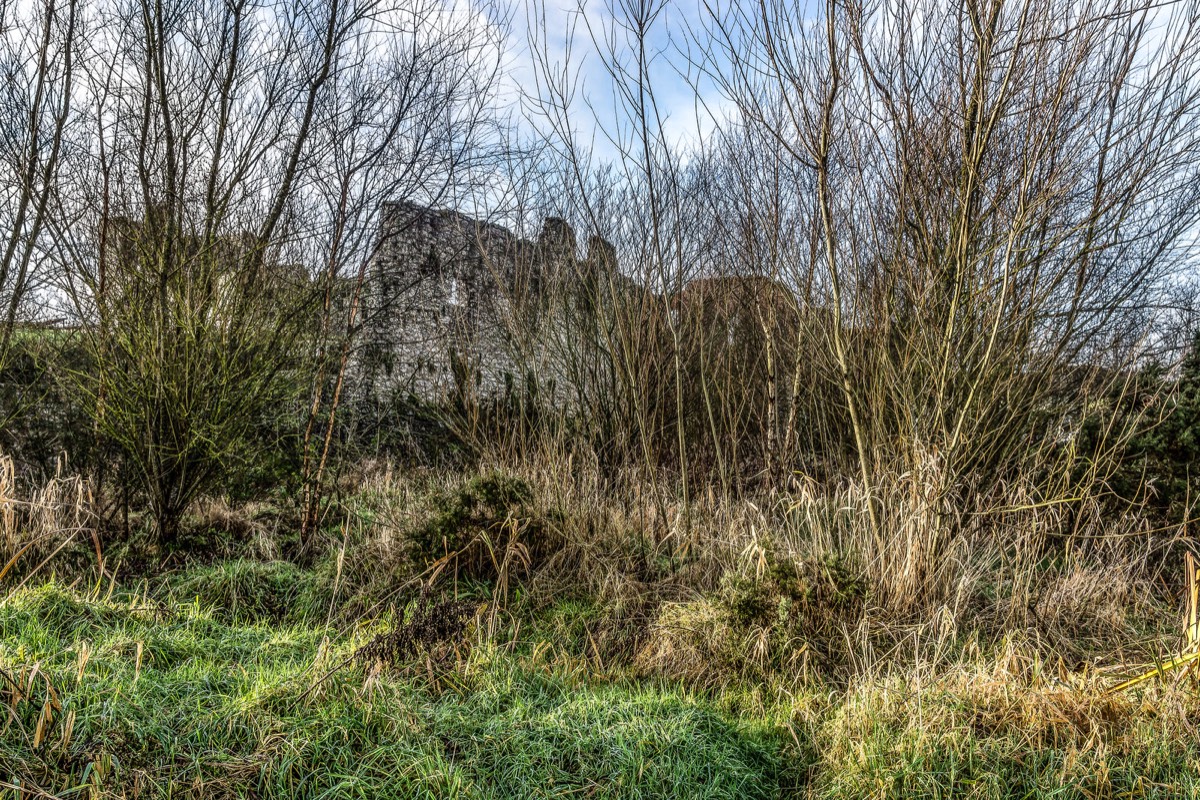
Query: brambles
x,y
429,628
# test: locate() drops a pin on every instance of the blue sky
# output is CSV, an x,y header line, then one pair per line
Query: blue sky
x,y
577,33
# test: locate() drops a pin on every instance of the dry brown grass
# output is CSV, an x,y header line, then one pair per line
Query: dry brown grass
x,y
901,664
1011,694
40,521
692,642
252,527
946,570
1001,723
1103,603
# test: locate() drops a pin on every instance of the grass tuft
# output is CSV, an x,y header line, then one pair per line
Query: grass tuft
x,y
243,589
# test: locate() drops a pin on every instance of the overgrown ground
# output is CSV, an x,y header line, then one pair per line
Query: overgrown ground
x,y
531,632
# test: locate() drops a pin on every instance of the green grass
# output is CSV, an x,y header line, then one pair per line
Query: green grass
x,y
215,698
219,709
243,589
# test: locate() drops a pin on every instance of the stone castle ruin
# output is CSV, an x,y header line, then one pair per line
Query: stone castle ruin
x,y
466,312
453,304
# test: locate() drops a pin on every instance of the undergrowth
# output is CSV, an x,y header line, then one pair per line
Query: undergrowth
x,y
123,699
528,633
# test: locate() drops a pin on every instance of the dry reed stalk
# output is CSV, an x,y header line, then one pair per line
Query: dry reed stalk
x,y
1189,656
39,523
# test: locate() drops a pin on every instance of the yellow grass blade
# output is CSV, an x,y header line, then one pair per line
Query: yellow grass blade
x,y
1159,670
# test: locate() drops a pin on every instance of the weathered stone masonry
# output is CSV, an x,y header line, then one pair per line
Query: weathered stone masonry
x,y
455,304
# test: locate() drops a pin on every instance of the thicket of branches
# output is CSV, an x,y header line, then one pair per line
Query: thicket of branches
x,y
921,233
924,240
196,184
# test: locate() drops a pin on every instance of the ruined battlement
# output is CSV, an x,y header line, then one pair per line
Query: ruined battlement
x,y
451,301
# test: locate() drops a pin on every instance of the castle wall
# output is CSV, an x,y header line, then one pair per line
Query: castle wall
x,y
455,305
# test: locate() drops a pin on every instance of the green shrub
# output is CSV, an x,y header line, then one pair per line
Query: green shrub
x,y
772,629
1158,463
479,522
485,502
798,603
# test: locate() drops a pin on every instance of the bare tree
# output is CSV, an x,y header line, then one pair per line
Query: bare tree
x,y
236,158
968,217
39,59
638,202
422,124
